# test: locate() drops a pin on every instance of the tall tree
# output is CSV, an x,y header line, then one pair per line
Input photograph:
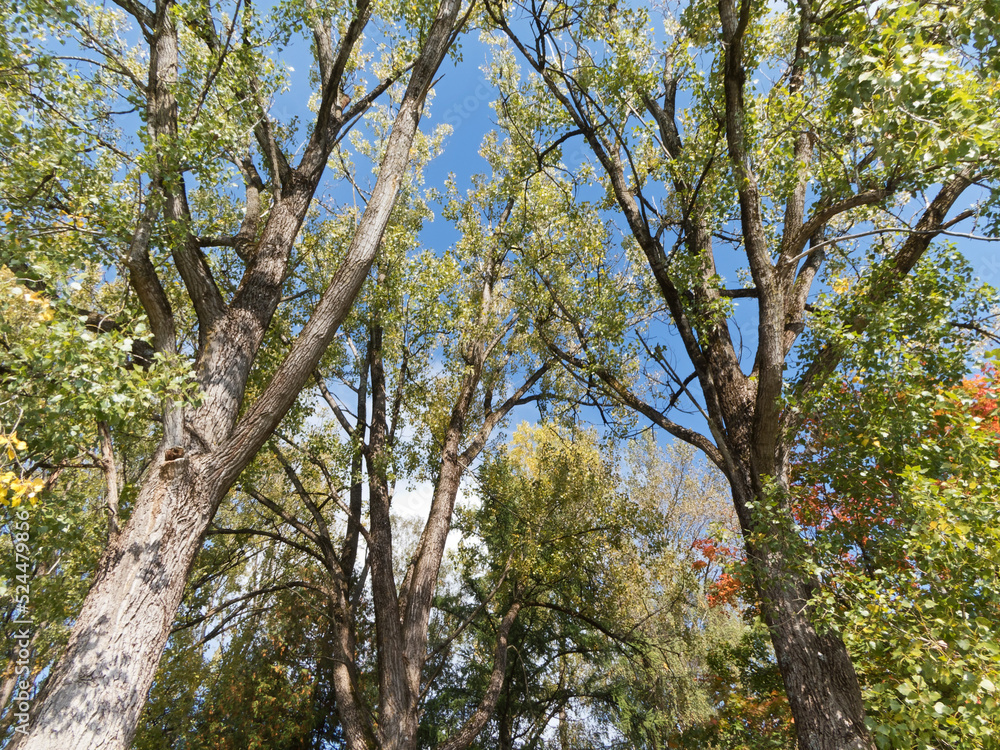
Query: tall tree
x,y
782,136
198,70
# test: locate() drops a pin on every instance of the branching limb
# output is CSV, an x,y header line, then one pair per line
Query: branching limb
x,y
887,277
496,416
475,723
621,392
213,611
288,518
323,532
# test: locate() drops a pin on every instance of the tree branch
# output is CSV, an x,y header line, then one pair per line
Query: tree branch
x,y
475,723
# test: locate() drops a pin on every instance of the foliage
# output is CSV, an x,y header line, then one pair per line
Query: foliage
x,y
614,633
898,477
745,686
634,166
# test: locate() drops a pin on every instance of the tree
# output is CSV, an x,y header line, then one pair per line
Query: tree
x,y
203,69
593,540
860,108
553,536
124,250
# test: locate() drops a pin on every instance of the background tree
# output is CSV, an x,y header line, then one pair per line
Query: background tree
x,y
611,639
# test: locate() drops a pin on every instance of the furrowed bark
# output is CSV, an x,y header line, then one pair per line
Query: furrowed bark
x,y
96,692
820,682
355,718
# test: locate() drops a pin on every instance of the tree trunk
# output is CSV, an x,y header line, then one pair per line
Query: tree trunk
x,y
746,415
564,739
822,687
820,681
402,614
354,720
94,696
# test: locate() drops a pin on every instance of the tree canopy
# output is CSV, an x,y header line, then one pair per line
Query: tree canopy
x,y
665,415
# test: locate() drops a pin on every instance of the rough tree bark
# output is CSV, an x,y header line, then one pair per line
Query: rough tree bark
x,y
94,696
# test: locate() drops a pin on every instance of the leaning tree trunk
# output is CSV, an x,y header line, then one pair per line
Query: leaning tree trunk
x,y
96,694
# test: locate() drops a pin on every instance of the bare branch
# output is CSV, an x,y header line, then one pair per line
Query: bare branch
x,y
213,611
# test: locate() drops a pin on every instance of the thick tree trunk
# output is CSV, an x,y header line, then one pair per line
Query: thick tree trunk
x,y
94,696
745,414
822,687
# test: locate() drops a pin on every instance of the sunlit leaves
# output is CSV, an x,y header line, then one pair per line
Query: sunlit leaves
x,y
15,488
599,550
912,91
897,485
